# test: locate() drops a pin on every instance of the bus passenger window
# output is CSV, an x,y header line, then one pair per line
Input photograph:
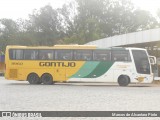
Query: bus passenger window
x,y
44,57
46,54
30,54
101,55
85,55
16,54
63,54
121,55
34,55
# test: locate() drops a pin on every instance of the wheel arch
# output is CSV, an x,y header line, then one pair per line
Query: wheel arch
x,y
124,75
123,80
46,73
33,78
30,74
47,78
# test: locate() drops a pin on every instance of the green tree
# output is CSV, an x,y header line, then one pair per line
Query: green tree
x,y
86,24
80,21
97,19
45,26
8,32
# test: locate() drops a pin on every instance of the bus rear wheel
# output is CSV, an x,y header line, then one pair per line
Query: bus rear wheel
x,y
123,80
33,78
47,79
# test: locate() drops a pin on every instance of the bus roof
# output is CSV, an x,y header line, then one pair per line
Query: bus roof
x,y
69,47
75,46
54,47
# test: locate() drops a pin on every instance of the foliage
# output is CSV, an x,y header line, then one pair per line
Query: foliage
x,y
78,22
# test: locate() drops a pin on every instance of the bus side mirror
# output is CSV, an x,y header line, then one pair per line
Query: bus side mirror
x,y
152,60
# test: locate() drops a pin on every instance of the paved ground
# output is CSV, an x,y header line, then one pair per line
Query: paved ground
x,y
18,96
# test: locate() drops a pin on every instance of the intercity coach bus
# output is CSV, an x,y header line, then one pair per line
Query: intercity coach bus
x,y
65,63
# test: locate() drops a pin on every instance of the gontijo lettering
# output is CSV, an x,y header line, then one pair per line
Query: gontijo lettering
x,y
57,64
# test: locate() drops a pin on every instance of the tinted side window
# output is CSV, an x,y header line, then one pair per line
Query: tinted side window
x,y
101,55
121,55
85,55
30,54
63,55
16,54
46,54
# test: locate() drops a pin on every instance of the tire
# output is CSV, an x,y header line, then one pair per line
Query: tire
x,y
47,79
123,80
33,78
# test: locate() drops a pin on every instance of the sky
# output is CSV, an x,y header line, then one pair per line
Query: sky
x,y
149,5
15,9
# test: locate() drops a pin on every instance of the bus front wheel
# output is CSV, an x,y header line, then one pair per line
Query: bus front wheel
x,y
33,78
47,79
123,80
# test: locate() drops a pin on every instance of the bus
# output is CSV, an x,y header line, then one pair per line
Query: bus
x,y
77,63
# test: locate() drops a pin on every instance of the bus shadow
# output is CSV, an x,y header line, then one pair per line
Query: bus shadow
x,y
85,84
26,84
102,85
64,84
140,86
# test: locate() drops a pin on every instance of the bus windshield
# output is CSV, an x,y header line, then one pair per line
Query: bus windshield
x,y
141,61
